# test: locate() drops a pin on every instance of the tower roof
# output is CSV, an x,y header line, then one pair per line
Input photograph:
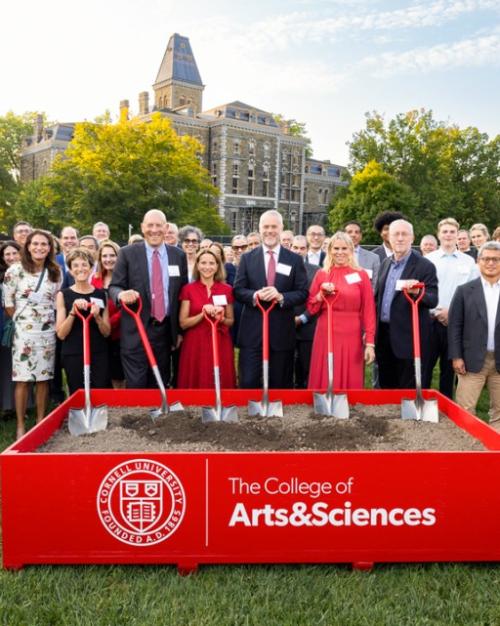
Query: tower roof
x,y
178,62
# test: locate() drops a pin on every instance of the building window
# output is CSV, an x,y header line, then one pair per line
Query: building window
x,y
235,184
296,180
251,178
265,179
320,196
267,149
236,146
251,146
325,196
234,222
182,100
236,169
305,195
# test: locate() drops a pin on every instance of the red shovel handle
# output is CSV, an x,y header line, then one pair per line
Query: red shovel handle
x,y
86,335
142,332
414,315
265,326
214,322
329,299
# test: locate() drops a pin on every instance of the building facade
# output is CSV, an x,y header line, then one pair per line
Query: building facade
x,y
255,162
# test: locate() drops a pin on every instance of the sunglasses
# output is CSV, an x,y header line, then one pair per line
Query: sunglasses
x,y
191,241
239,247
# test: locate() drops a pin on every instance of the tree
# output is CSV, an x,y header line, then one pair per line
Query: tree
x,y
116,172
371,191
451,171
296,129
13,130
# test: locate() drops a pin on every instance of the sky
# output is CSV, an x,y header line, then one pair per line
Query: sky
x,y
322,62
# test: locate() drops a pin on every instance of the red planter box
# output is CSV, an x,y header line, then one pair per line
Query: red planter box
x,y
252,507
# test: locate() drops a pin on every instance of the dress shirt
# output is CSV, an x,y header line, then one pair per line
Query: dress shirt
x,y
393,275
313,257
491,295
452,269
267,257
162,250
388,251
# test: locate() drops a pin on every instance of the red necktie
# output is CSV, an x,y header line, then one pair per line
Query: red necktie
x,y
271,269
158,301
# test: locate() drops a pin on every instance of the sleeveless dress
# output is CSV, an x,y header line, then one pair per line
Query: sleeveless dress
x,y
196,359
353,325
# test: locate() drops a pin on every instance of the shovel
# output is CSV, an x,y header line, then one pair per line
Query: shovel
x,y
328,403
89,419
219,413
418,409
265,408
164,409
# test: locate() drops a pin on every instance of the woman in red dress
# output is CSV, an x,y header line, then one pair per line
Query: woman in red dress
x,y
353,318
207,293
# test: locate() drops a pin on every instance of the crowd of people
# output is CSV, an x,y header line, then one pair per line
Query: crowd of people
x,y
180,278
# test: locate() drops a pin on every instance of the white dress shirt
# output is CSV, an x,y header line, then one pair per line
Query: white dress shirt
x,y
491,295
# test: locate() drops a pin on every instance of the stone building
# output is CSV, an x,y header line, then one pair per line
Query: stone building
x,y
40,150
255,162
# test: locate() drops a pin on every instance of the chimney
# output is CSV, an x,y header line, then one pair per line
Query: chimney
x,y
38,128
124,107
143,103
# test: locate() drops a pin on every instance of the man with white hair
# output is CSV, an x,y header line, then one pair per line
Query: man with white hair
x,y
155,272
394,341
100,231
270,273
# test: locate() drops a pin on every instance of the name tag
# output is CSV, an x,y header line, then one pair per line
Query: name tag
x,y
370,273
400,284
220,300
36,297
352,278
173,270
281,268
98,301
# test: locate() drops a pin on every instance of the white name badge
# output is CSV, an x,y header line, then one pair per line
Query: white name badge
x,y
36,297
98,301
352,278
220,300
173,270
281,268
370,273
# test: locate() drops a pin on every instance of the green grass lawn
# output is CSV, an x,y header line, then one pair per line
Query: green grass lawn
x,y
435,594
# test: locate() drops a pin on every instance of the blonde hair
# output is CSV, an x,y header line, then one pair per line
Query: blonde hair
x,y
219,275
340,235
448,221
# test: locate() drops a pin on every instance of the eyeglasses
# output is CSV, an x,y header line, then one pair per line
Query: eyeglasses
x,y
244,247
193,241
317,234
490,259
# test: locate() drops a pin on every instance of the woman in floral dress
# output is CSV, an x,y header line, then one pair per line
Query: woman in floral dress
x,y
33,311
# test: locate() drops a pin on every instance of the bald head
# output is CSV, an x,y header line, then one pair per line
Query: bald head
x,y
153,227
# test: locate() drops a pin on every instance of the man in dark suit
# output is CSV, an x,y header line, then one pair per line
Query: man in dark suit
x,y
364,258
474,334
270,272
156,272
394,342
305,322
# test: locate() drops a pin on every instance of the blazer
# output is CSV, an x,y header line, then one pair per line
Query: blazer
x,y
400,327
67,279
468,327
369,261
131,272
305,332
250,277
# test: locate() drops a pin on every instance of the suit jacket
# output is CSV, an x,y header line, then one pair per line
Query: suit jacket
x,y
67,279
250,277
131,272
369,261
380,252
400,327
305,332
468,327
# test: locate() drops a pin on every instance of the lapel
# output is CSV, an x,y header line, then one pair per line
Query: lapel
x,y
384,270
142,267
410,266
260,268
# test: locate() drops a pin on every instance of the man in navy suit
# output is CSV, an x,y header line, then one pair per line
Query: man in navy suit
x,y
271,273
394,342
134,276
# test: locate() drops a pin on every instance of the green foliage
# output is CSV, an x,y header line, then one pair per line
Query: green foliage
x,y
296,129
116,172
371,191
13,129
451,171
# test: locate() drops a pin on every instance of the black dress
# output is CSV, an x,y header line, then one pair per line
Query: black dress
x,y
72,345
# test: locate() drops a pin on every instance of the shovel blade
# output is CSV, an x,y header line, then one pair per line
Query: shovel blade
x,y
78,423
430,412
426,410
409,410
227,414
230,415
332,406
273,409
164,410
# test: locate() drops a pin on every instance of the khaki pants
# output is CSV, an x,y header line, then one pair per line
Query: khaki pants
x,y
470,386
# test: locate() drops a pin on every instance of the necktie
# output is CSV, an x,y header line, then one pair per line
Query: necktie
x,y
158,301
271,269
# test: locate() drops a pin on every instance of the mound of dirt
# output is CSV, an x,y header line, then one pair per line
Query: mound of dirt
x,y
369,428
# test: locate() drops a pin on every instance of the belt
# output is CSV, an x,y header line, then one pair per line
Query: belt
x,y
155,322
